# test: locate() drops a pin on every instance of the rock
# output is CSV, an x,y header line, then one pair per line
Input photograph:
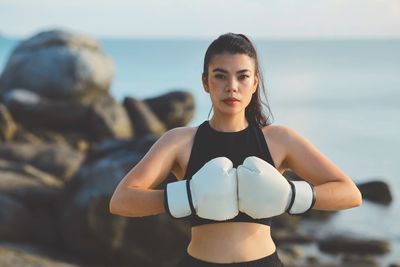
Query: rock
x,y
144,121
174,109
285,222
90,229
7,124
15,220
34,194
35,111
108,119
60,160
28,171
75,140
359,261
353,245
58,64
295,252
12,255
109,146
312,259
283,236
22,135
100,119
376,191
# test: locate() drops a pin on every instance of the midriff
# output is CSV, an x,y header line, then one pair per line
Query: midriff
x,y
231,242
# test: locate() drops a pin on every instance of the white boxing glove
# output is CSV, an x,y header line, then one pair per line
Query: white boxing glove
x,y
264,192
211,193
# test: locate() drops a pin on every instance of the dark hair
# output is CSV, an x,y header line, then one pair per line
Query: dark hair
x,y
240,44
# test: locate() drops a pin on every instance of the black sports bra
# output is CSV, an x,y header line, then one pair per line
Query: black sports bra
x,y
210,143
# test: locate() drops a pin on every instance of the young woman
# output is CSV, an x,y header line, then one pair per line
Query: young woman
x,y
229,169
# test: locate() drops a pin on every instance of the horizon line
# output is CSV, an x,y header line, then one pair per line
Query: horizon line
x,y
205,38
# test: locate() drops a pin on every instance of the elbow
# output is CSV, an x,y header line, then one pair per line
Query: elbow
x,y
357,197
112,206
120,204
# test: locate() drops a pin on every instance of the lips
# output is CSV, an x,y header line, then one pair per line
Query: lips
x,y
230,99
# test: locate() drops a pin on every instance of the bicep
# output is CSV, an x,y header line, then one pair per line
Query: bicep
x,y
156,164
308,162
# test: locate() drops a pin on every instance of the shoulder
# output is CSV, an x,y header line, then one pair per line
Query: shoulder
x,y
178,135
181,132
280,132
276,138
277,132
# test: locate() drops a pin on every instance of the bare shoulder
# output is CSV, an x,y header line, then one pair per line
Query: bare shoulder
x,y
181,135
281,133
275,130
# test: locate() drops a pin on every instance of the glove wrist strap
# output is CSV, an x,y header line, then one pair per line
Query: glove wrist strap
x,y
302,199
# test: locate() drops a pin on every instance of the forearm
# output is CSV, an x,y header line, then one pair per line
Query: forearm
x,y
337,195
137,202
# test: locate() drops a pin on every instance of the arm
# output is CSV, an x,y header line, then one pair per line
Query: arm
x,y
334,189
133,196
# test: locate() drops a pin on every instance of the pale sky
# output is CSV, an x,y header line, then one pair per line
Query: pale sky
x,y
261,19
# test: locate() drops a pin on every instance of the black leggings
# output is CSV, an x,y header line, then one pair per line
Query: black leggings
x,y
268,261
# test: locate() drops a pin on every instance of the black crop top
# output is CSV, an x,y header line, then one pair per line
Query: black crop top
x,y
210,143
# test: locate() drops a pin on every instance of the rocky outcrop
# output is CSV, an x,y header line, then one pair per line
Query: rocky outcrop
x,y
60,65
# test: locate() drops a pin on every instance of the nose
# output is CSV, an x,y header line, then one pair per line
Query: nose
x,y
232,85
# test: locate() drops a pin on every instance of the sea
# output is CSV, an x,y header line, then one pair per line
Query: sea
x,y
341,95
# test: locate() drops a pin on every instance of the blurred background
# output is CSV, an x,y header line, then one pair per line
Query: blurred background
x,y
331,70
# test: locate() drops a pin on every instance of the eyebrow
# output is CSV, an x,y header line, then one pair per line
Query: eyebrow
x,y
224,71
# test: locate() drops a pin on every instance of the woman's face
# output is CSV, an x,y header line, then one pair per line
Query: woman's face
x,y
231,76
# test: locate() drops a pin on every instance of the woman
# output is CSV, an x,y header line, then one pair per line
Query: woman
x,y
229,169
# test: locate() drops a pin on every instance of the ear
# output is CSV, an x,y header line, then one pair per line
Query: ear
x,y
256,80
205,83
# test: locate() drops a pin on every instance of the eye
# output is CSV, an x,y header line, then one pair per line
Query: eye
x,y
219,76
242,77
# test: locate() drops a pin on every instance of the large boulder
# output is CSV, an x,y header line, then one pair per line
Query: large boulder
x,y
58,64
108,119
100,119
143,119
174,109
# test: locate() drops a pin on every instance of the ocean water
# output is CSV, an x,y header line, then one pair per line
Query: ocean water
x,y
342,95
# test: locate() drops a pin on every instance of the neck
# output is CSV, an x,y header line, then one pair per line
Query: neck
x,y
228,124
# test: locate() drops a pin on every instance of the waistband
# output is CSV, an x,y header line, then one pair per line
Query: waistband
x,y
267,261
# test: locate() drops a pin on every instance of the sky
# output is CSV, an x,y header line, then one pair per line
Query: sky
x,y
261,19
